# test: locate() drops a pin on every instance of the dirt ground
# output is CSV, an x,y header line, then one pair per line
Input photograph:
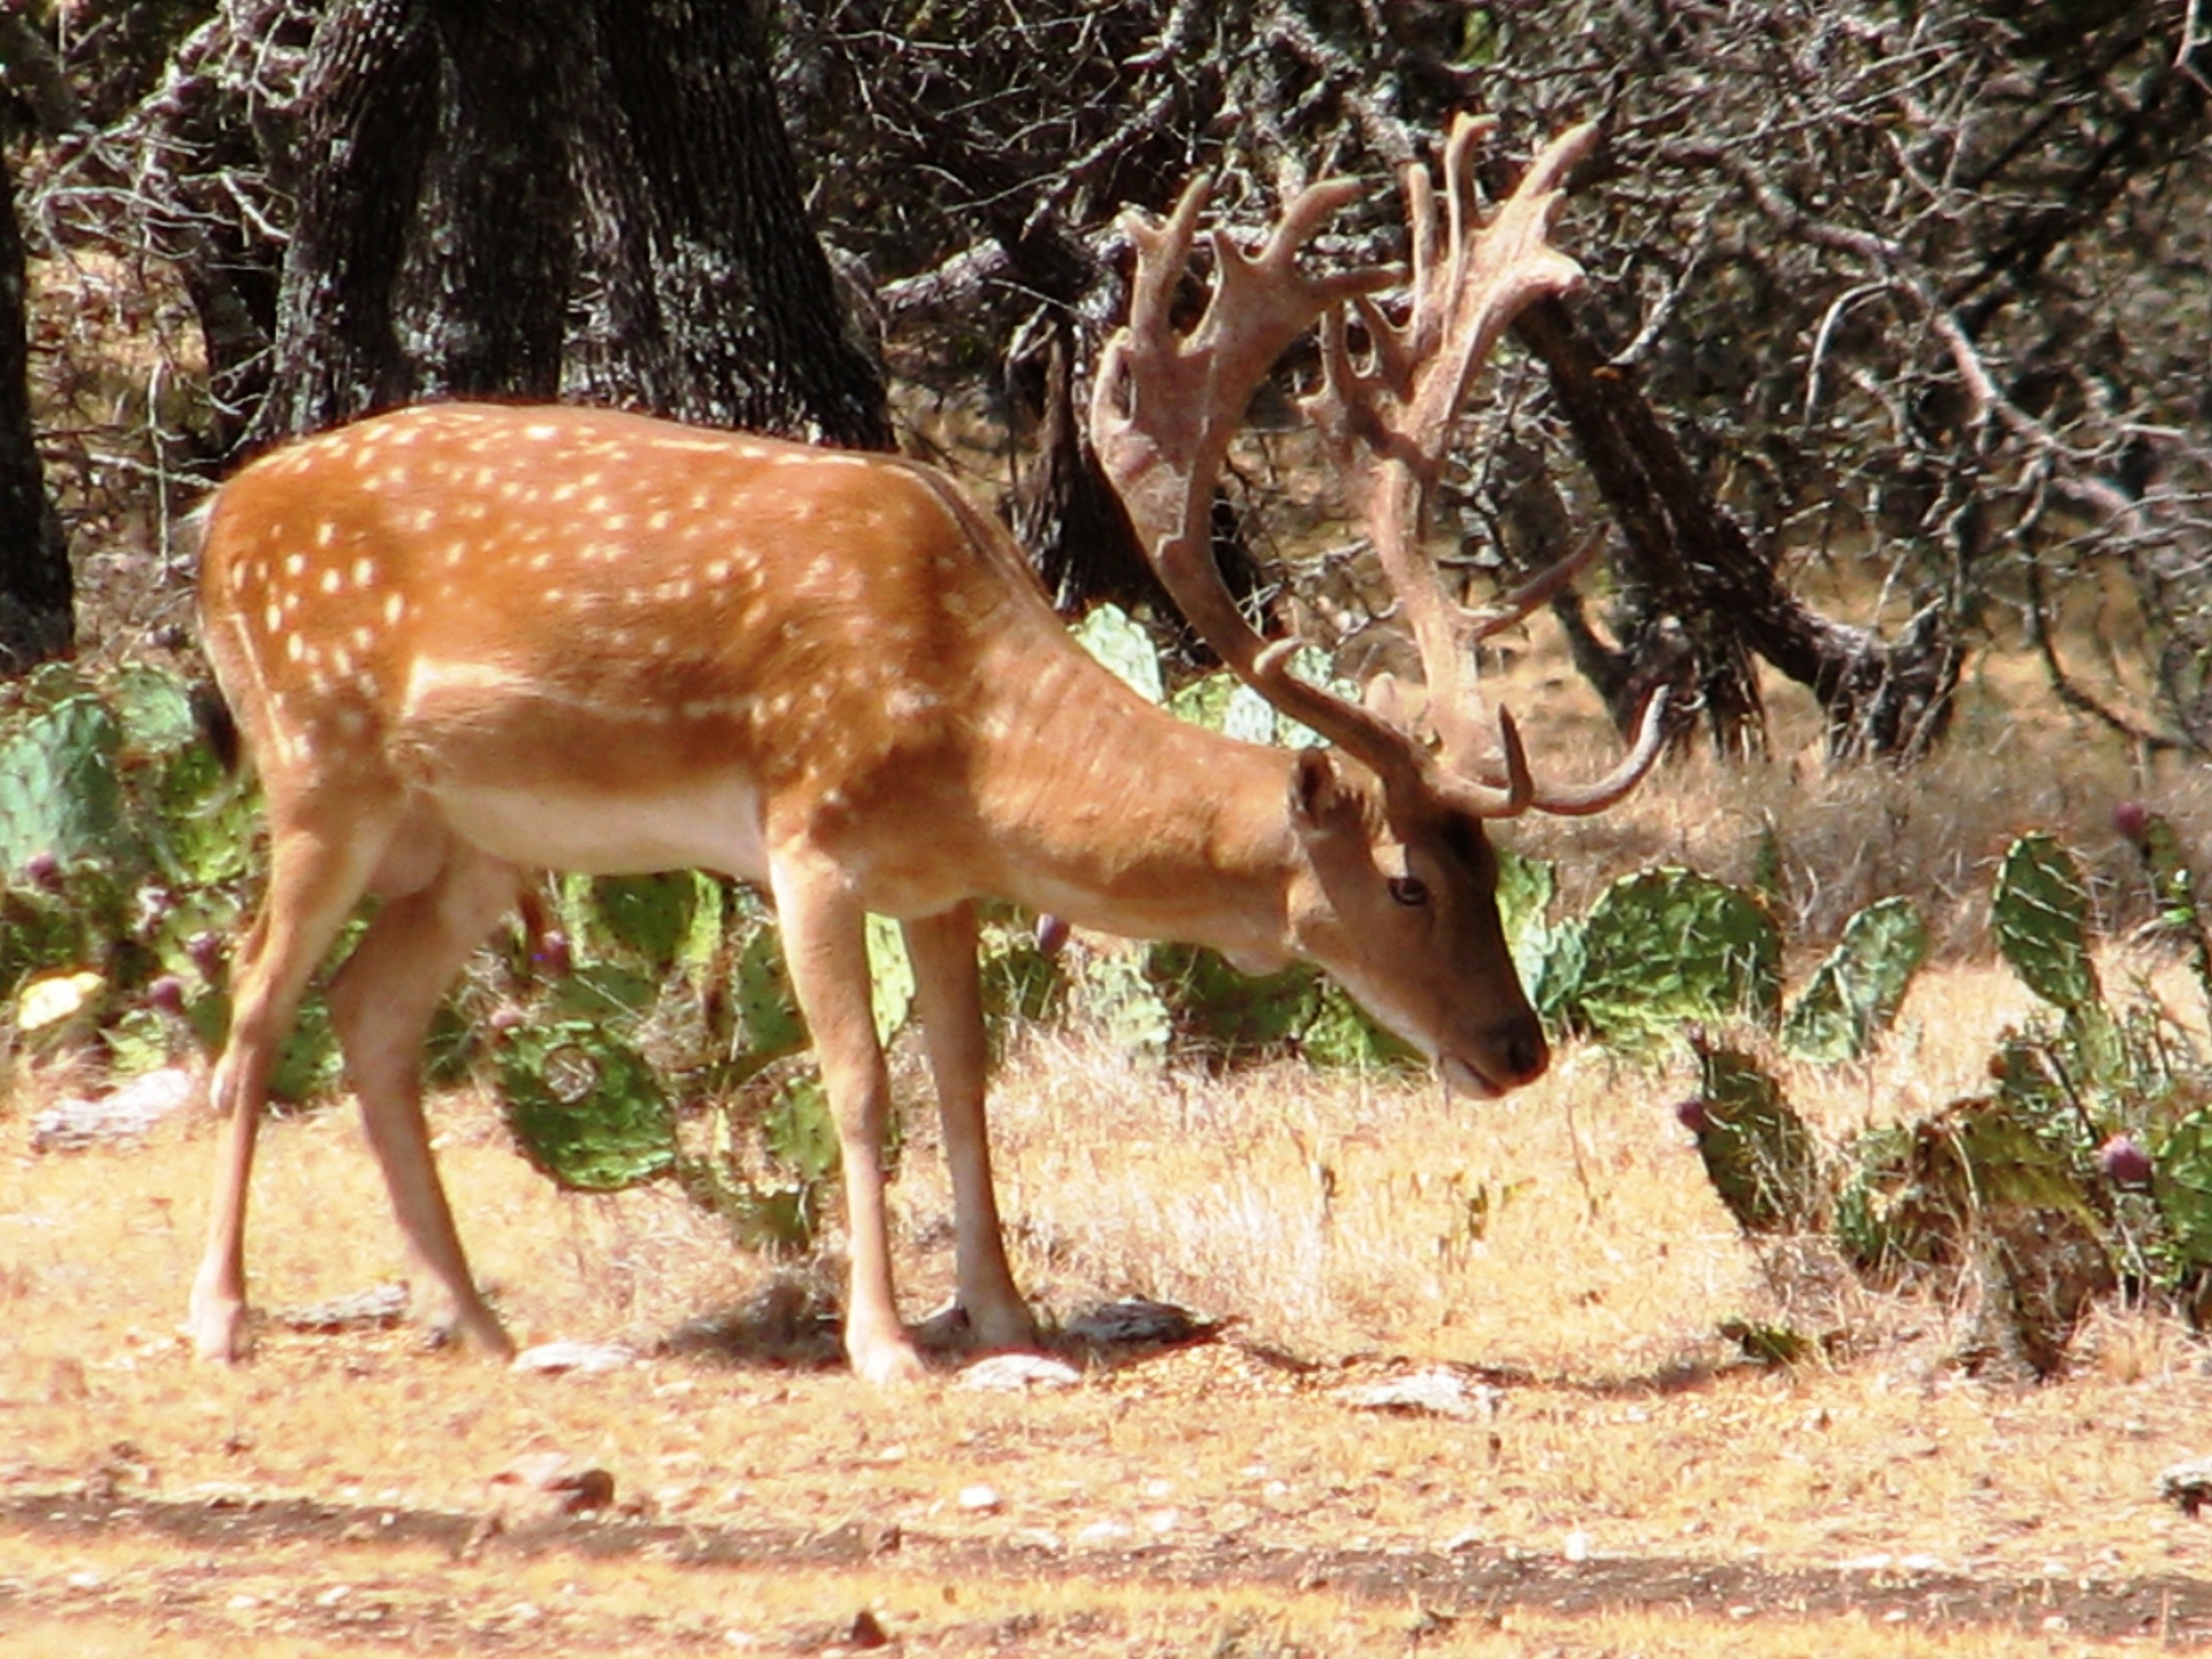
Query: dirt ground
x,y
1584,1466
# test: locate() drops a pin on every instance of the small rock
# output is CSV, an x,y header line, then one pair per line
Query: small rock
x,y
1432,1392
1139,1320
1577,1547
867,1631
1018,1371
550,1484
590,1359
132,1109
379,1307
2187,1485
978,1499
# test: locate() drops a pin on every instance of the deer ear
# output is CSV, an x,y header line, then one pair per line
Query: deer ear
x,y
1316,793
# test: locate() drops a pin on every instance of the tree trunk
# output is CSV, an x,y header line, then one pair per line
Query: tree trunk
x,y
35,587
1693,563
370,109
475,179
710,298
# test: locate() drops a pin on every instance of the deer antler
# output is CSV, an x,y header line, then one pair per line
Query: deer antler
x,y
1167,405
1390,415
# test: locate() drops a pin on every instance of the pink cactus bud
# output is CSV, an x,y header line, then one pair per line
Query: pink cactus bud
x,y
2124,1161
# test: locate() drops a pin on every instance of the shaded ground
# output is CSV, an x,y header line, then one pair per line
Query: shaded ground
x,y
395,1592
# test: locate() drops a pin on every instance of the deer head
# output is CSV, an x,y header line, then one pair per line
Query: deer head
x,y
1167,404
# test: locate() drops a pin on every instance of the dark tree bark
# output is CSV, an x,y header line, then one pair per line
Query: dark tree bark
x,y
715,301
369,106
1065,514
35,587
433,250
1689,561
579,197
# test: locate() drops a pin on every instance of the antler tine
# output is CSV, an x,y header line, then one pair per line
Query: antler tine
x,y
1537,590
1580,802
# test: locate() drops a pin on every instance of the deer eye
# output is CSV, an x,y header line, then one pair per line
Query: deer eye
x,y
1409,889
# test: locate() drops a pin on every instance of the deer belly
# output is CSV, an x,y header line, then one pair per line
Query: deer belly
x,y
711,825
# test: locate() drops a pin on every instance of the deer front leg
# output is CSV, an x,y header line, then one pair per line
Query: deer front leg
x,y
824,945
949,996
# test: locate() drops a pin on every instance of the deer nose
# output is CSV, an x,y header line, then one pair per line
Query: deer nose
x,y
1521,1051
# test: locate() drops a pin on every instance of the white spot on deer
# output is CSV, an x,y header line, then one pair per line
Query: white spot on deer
x,y
364,638
718,570
657,521
597,503
423,521
540,560
566,490
332,579
340,661
326,532
616,523
295,563
363,572
455,553
271,618
352,721
295,648
540,430
394,608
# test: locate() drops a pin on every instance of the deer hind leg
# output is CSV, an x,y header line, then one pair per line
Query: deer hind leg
x,y
314,883
381,1003
824,944
948,997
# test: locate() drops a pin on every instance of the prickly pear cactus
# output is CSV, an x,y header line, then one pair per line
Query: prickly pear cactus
x,y
2181,1182
586,1107
1854,994
1220,1011
1662,947
2041,914
61,791
1760,1155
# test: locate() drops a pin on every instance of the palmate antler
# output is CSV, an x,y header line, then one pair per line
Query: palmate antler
x,y
1166,406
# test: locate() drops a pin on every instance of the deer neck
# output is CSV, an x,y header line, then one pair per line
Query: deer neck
x,y
1120,817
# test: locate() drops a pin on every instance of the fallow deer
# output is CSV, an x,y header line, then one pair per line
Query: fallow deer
x,y
465,642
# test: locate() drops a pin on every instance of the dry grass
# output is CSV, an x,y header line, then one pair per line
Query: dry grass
x,y
1593,1292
